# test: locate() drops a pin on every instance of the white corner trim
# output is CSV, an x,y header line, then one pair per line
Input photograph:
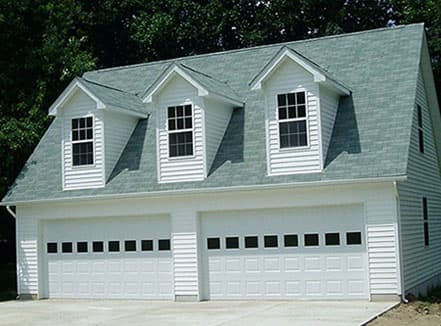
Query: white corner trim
x,y
174,70
69,92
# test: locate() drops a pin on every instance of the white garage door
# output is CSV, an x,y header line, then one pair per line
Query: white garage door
x,y
308,253
109,258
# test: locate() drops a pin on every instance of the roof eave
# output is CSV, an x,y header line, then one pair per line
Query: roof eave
x,y
183,192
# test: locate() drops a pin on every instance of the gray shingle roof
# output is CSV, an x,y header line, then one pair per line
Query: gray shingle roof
x,y
370,137
113,97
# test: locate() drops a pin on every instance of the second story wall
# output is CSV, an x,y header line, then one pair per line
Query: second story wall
x,y
186,168
87,176
289,77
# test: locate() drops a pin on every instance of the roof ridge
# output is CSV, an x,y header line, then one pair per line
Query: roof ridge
x,y
136,65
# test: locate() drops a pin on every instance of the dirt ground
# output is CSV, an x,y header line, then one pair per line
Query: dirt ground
x,y
414,313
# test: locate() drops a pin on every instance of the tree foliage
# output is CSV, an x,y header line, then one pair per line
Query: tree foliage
x,y
45,43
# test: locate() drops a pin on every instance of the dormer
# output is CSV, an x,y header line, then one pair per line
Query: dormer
x,y
301,102
97,122
193,110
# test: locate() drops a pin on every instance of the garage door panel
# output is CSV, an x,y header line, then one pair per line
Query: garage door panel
x,y
290,268
109,274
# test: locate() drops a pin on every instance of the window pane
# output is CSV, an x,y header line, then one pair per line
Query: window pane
x,y
82,246
232,242
82,122
270,241
66,247
89,122
113,246
251,242
52,248
180,124
282,113
291,240
179,111
301,111
188,110
300,98
353,238
421,140
89,133
332,239
213,243
311,240
292,113
171,124
146,245
293,134
188,123
98,246
75,135
281,100
82,134
74,124
291,99
130,245
164,244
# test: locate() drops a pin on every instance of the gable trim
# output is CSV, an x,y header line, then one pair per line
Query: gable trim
x,y
77,84
175,69
319,76
69,92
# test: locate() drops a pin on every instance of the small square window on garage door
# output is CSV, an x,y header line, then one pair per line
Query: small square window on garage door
x,y
98,246
232,242
251,242
82,247
332,239
270,241
353,238
213,243
291,240
164,244
147,245
66,247
113,246
130,245
52,248
311,240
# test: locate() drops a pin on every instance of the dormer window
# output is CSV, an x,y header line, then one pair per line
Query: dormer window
x,y
82,141
292,120
180,130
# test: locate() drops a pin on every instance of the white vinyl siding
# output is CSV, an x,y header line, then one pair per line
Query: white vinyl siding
x,y
217,117
421,262
27,255
117,129
185,254
328,111
290,77
176,169
90,176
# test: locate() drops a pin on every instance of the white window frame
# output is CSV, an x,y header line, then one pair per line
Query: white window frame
x,y
169,132
72,142
306,119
